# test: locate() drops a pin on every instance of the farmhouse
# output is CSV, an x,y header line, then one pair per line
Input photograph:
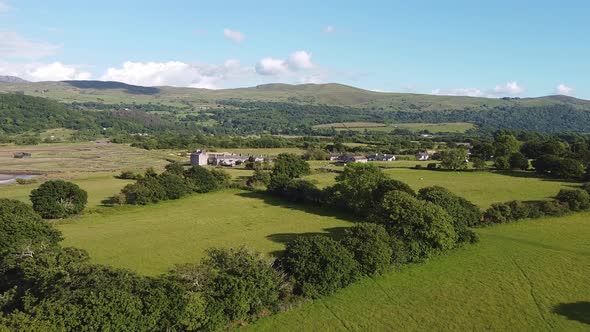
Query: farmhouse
x,y
381,157
200,158
423,156
335,156
348,159
21,155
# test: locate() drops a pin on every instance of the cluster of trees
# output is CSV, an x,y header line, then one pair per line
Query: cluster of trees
x,y
566,200
557,156
428,222
58,199
175,182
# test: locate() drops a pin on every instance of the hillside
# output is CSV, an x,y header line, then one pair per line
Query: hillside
x,y
313,94
296,109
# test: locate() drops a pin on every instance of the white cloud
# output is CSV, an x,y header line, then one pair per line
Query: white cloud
x,y
55,71
300,60
271,66
176,73
297,61
507,89
15,46
234,35
470,92
510,89
565,90
329,29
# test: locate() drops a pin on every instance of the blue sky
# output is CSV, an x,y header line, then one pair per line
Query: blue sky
x,y
480,48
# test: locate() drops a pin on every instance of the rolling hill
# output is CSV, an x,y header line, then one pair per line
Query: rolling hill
x,y
295,109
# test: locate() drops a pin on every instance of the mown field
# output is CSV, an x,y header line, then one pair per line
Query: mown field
x,y
529,276
454,127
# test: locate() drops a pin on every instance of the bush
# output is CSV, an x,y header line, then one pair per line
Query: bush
x,y
259,178
518,161
553,208
575,199
370,245
290,165
431,166
175,168
129,175
58,199
200,179
463,212
498,213
137,194
418,166
242,283
222,178
586,187
355,186
502,163
319,265
478,163
174,185
20,227
25,181
387,185
425,228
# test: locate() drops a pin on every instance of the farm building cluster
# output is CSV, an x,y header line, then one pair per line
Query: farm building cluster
x,y
203,158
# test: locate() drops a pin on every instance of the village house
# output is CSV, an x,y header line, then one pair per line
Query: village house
x,y
348,159
381,157
202,158
335,156
422,156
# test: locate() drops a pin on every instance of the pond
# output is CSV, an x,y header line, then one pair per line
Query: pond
x,y
8,178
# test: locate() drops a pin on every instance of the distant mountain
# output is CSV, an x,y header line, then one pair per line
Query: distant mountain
x,y
12,79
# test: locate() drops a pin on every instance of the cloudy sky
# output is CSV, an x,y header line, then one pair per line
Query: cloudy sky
x,y
454,47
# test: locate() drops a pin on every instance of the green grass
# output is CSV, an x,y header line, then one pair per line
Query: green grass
x,y
98,186
512,280
454,127
151,239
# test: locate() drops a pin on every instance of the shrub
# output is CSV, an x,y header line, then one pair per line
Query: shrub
x,y
498,213
426,228
431,166
137,194
175,168
129,175
355,186
501,163
242,283
586,187
259,178
463,212
222,178
453,159
319,265
478,163
290,165
25,181
20,227
174,185
386,185
370,245
575,199
518,161
418,166
58,199
200,179
553,208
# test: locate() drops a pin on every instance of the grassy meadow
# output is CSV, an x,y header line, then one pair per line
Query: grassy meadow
x,y
532,275
151,239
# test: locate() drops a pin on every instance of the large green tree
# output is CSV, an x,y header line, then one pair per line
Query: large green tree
x,y
290,165
58,199
453,159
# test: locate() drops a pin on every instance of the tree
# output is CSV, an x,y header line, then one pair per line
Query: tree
x,y
478,163
355,186
319,265
501,163
505,145
200,179
453,159
174,185
290,165
425,227
175,168
260,177
575,199
463,212
222,178
518,161
370,245
58,199
386,185
21,229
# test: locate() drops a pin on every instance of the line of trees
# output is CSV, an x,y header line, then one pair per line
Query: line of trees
x,y
174,183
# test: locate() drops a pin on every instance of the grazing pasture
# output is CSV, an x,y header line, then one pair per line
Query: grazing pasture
x,y
532,275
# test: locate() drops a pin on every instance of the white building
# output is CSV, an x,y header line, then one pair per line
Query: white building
x,y
200,158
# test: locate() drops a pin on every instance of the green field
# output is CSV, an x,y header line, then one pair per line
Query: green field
x,y
529,276
454,127
151,239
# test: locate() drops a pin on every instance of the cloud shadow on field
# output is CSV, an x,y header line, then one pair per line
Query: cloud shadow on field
x,y
579,311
